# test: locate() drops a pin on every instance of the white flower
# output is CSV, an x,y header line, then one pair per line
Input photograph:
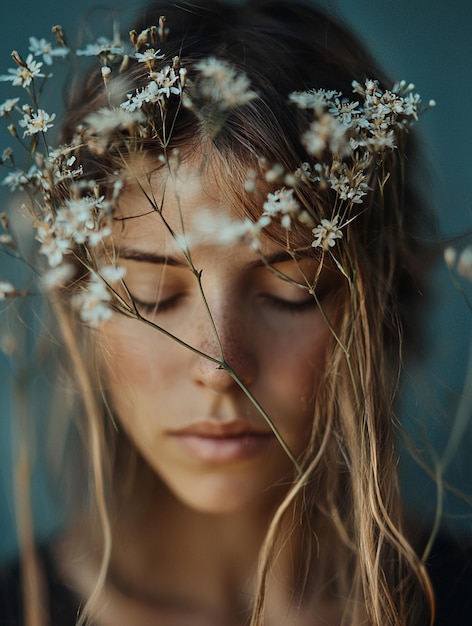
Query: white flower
x,y
464,264
54,245
326,234
450,256
105,121
112,273
250,232
344,110
349,182
381,139
220,83
38,122
79,221
103,48
317,99
7,290
41,47
24,74
166,81
16,180
326,133
57,277
7,240
151,93
136,101
93,301
282,203
149,57
8,106
220,230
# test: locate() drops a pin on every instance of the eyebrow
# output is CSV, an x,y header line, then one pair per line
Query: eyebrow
x,y
151,257
174,261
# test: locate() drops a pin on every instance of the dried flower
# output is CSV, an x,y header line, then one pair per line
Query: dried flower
x,y
41,47
7,290
282,204
220,84
37,122
326,234
450,256
464,263
25,72
8,106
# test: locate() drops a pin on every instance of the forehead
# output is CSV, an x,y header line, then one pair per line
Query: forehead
x,y
163,205
197,203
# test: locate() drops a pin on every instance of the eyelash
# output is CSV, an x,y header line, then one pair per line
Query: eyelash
x,y
288,306
157,307
301,306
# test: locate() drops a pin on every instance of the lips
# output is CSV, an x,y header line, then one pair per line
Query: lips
x,y
218,442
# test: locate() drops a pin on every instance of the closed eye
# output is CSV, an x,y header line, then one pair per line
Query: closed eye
x,y
149,308
291,306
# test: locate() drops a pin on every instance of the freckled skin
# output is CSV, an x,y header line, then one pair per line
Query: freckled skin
x,y
157,386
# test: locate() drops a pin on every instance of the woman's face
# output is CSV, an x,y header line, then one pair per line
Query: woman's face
x,y
186,415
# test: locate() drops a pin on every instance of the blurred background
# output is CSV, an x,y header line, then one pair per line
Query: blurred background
x,y
427,42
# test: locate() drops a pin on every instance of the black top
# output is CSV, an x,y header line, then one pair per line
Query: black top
x,y
449,566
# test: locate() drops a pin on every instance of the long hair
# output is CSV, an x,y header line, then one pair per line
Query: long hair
x,y
348,481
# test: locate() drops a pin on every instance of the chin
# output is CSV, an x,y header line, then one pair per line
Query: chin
x,y
223,495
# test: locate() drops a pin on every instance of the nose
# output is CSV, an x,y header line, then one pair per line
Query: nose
x,y
229,339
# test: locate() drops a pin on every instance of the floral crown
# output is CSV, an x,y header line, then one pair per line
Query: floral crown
x,y
345,141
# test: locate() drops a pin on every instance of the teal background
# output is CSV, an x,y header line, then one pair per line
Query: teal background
x,y
426,42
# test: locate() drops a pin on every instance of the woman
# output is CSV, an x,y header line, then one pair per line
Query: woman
x,y
232,238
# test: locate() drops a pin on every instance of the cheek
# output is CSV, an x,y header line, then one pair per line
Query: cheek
x,y
138,364
134,355
302,354
296,376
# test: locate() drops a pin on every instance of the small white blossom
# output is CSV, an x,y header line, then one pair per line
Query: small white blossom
x,y
103,48
7,290
464,263
326,133
155,91
23,74
79,221
220,230
15,180
349,182
344,110
93,301
106,121
167,81
106,72
283,204
250,232
7,240
57,277
112,273
8,106
8,344
149,57
316,99
220,84
38,122
41,47
326,234
450,256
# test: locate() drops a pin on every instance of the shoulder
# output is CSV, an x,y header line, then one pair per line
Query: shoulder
x,y
61,603
450,569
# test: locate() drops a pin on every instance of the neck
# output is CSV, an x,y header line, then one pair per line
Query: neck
x,y
193,556
166,554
